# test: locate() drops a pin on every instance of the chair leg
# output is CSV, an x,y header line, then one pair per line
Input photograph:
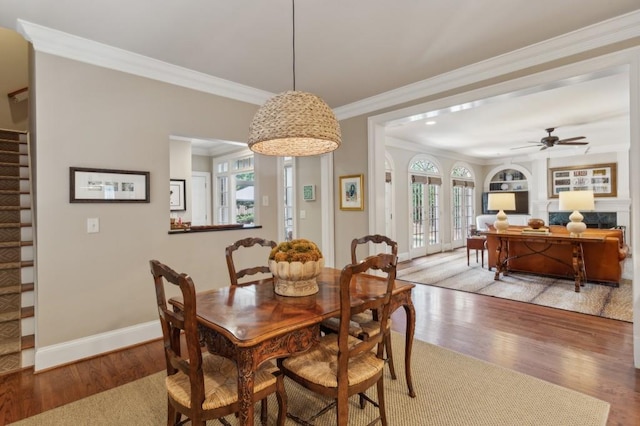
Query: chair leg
x,y
281,395
263,412
381,407
387,346
173,417
342,410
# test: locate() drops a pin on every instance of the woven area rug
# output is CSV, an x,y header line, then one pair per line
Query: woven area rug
x,y
450,270
452,389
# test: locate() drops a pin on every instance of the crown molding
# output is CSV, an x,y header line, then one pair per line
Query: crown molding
x,y
54,42
69,46
611,31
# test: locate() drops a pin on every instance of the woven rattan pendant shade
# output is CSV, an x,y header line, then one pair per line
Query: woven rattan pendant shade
x,y
295,124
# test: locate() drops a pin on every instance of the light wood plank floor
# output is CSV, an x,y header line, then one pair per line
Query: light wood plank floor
x,y
589,354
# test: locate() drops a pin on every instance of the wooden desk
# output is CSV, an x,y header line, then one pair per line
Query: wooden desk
x,y
503,257
252,324
476,243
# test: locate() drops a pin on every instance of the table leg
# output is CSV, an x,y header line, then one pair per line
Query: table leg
x,y
498,259
246,377
578,266
411,328
467,255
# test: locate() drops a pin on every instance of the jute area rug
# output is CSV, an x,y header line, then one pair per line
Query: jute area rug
x,y
452,389
450,270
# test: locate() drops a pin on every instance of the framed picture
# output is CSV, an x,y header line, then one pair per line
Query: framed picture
x,y
309,192
177,195
600,178
87,185
352,192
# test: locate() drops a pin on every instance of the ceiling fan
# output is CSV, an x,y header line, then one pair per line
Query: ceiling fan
x,y
550,141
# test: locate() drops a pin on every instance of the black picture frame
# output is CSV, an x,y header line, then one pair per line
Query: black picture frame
x,y
91,185
177,195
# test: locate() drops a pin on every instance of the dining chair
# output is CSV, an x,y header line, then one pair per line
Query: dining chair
x,y
203,387
365,324
341,365
234,275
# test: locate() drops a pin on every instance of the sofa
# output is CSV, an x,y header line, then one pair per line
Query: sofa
x,y
484,220
603,261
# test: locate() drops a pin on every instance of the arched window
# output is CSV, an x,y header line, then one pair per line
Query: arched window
x,y
463,195
426,182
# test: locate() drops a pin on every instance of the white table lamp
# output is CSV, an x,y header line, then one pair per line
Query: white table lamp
x,y
576,200
502,201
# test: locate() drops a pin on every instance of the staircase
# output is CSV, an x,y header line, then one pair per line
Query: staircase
x,y
16,255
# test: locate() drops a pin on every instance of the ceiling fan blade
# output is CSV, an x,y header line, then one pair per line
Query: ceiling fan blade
x,y
543,148
571,139
572,143
520,147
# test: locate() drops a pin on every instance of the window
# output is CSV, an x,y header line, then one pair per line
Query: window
x,y
425,205
235,199
463,194
287,172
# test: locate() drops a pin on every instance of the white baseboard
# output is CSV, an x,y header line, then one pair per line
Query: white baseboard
x,y
74,350
403,257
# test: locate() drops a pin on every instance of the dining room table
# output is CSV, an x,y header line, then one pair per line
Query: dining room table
x,y
251,324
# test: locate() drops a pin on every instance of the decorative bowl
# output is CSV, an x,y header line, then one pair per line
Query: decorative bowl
x,y
296,278
535,223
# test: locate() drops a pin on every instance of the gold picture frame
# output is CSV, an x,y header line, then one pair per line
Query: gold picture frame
x,y
602,179
351,190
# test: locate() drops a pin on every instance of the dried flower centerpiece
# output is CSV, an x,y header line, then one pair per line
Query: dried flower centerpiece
x,y
295,266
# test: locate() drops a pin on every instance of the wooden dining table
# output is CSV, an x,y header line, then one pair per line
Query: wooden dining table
x,y
251,324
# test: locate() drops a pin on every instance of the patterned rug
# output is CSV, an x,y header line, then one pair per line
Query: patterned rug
x,y
450,270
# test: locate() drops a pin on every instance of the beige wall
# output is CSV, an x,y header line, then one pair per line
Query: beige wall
x,y
14,51
350,159
94,117
308,173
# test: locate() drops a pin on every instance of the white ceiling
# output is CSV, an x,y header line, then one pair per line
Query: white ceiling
x,y
348,50
595,106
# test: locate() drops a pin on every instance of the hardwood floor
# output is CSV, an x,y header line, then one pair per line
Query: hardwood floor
x,y
589,354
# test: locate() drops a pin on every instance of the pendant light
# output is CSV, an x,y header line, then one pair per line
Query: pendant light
x,y
294,123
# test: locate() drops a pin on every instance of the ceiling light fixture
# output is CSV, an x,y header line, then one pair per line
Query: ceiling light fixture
x,y
294,123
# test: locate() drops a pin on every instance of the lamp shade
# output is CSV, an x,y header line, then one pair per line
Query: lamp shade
x,y
294,124
502,201
576,200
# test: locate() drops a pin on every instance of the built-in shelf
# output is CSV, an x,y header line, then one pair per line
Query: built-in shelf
x,y
508,180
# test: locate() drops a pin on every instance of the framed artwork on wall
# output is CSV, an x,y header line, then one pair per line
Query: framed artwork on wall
x,y
177,195
89,185
309,192
599,178
352,192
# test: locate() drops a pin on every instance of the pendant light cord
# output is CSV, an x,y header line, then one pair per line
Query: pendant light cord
x,y
293,19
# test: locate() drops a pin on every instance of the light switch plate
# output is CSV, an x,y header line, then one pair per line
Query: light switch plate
x,y
93,225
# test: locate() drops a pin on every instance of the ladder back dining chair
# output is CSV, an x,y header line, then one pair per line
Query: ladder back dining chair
x,y
365,324
203,386
342,365
236,275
